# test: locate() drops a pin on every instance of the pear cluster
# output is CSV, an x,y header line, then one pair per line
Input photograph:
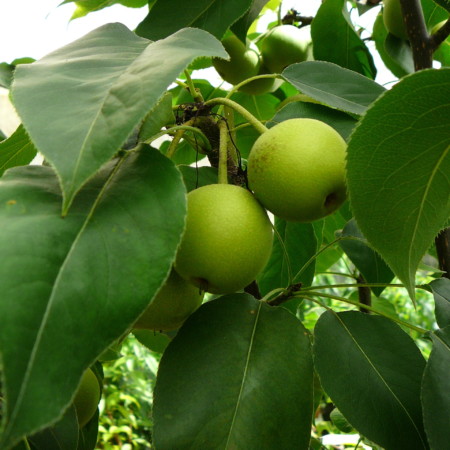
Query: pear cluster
x,y
280,47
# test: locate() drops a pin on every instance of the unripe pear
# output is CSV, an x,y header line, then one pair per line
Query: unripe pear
x,y
172,305
87,397
296,170
227,241
393,19
245,61
282,46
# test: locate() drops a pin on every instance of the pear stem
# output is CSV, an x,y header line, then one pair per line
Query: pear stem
x,y
241,110
223,153
196,94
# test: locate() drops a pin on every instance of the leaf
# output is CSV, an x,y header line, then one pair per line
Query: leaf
x,y
6,74
241,27
340,121
334,86
372,371
441,293
95,91
368,262
433,14
72,286
400,51
17,150
195,177
210,15
158,117
399,66
335,39
300,244
154,341
398,170
435,387
237,375
84,7
62,435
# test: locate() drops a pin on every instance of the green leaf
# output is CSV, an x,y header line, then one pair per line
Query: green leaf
x,y
368,262
195,177
335,39
433,14
84,7
333,85
237,375
6,74
398,170
435,389
298,245
400,51
72,286
158,117
372,371
62,435
402,64
340,121
441,293
95,91
240,28
17,150
209,15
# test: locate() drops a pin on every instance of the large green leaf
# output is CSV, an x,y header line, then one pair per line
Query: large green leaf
x,y
237,375
398,170
435,390
368,262
298,245
71,286
332,85
335,39
17,150
95,91
168,16
372,370
441,293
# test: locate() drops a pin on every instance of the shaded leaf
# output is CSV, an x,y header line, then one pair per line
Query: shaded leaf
x,y
340,121
218,384
366,260
441,293
400,51
103,84
158,117
154,341
333,85
6,74
398,170
335,39
210,15
62,435
435,387
240,28
195,177
384,367
99,265
299,245
398,66
17,150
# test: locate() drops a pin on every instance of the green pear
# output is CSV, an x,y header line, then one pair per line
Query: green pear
x,y
87,397
228,239
393,19
282,46
296,170
245,61
172,305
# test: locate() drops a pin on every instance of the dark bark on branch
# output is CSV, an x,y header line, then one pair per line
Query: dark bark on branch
x,y
442,243
364,293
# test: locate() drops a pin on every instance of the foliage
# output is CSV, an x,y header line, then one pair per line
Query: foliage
x,y
325,339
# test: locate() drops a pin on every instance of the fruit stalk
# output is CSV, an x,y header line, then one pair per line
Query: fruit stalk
x,y
223,153
241,110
